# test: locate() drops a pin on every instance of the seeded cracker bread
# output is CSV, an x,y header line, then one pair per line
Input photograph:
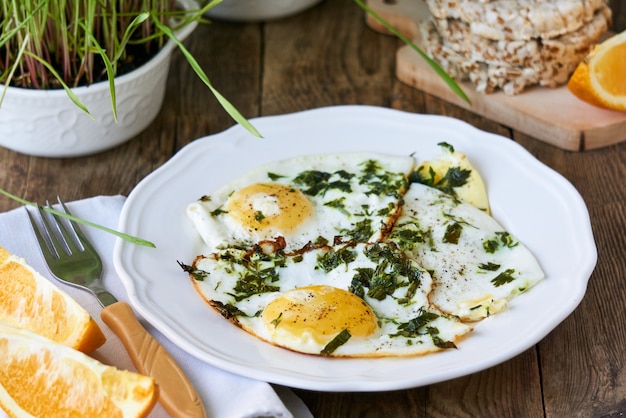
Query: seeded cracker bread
x,y
457,35
511,66
518,19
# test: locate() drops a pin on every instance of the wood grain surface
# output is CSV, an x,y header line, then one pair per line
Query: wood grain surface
x,y
326,56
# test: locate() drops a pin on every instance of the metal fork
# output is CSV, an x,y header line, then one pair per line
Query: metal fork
x,y
69,255
71,258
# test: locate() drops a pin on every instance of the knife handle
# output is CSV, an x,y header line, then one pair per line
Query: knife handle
x,y
176,393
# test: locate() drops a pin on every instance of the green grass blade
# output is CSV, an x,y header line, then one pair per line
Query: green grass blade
x,y
110,70
137,21
68,90
228,107
125,237
13,68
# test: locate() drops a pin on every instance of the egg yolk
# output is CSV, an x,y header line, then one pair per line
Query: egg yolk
x,y
269,205
319,312
473,191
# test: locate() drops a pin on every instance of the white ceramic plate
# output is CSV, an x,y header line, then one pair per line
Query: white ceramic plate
x,y
529,199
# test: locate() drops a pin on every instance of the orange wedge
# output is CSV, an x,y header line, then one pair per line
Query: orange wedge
x,y
600,79
30,301
42,378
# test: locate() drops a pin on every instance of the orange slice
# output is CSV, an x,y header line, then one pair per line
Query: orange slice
x,y
28,300
600,78
39,377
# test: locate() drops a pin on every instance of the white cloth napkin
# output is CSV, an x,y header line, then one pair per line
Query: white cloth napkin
x,y
224,395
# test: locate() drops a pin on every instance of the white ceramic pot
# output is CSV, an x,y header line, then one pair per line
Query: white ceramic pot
x,y
46,123
258,10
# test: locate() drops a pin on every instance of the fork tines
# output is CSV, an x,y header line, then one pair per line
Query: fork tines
x,y
55,233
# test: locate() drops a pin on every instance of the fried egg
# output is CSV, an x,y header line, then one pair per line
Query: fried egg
x,y
476,265
317,198
348,300
452,173
358,254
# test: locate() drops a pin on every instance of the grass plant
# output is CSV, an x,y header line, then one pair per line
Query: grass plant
x,y
54,44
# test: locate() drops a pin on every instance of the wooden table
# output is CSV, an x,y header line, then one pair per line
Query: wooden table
x,y
328,56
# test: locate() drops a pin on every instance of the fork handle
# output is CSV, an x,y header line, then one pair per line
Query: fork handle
x,y
176,393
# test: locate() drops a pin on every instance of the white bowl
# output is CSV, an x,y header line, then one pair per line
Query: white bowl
x,y
256,10
46,123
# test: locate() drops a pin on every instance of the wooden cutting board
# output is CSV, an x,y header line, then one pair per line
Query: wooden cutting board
x,y
554,116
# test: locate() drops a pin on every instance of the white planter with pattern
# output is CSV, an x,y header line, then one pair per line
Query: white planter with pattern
x,y
46,123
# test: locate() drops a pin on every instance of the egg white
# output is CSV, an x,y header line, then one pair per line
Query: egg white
x,y
335,210
221,276
468,281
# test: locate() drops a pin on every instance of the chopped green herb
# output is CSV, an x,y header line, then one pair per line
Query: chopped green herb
x,y
361,232
427,179
276,320
386,211
366,211
320,241
489,266
257,270
274,176
453,233
344,174
408,235
333,258
416,326
253,284
339,340
227,310
381,182
371,167
446,146
319,182
454,177
411,290
338,204
502,240
258,216
491,246
361,279
505,277
382,284
440,342
198,275
384,279
217,211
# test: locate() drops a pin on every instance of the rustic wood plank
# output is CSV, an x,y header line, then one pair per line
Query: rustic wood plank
x,y
328,57
394,404
583,360
510,389
230,53
619,15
